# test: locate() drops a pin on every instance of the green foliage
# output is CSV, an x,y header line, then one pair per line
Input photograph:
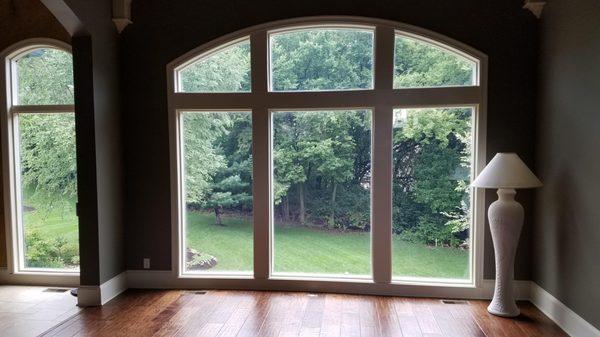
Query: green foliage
x,y
218,158
322,59
227,70
45,76
419,64
48,162
322,159
432,156
57,252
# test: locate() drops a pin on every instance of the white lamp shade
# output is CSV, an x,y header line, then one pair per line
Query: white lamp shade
x,y
506,170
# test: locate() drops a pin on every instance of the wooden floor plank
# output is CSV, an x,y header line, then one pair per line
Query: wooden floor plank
x,y
286,314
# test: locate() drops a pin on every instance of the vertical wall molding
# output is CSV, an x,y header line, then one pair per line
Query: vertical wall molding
x,y
121,14
535,7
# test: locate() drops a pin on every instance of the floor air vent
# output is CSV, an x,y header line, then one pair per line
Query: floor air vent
x,y
454,302
196,292
56,290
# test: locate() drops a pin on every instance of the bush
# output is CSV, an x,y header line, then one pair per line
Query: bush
x,y
50,252
432,231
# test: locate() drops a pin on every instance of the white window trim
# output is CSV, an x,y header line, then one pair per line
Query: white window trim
x,y
11,171
382,99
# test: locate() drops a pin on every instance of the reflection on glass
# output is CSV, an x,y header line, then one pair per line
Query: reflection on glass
x,y
224,70
48,188
421,64
431,201
321,192
218,192
44,77
322,59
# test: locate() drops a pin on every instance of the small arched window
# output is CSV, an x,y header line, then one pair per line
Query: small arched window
x,y
39,154
328,148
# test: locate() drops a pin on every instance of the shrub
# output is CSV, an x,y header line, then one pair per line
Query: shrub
x,y
49,252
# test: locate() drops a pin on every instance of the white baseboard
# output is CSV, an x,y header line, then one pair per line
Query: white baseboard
x,y
88,296
564,317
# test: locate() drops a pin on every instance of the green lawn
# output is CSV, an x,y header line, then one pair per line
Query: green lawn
x,y
301,249
52,218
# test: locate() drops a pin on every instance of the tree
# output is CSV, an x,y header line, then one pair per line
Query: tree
x,y
226,192
322,159
218,160
227,70
47,141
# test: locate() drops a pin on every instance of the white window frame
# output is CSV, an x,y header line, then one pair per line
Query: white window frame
x,y
11,165
382,100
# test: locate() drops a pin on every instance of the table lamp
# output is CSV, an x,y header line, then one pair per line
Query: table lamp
x,y
506,172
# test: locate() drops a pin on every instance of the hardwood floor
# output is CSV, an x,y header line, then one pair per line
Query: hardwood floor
x,y
243,313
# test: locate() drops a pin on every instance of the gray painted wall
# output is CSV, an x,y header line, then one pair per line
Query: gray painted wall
x,y
99,141
566,233
164,30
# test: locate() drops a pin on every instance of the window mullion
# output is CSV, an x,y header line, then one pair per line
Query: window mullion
x,y
258,63
381,194
261,156
261,191
384,58
42,108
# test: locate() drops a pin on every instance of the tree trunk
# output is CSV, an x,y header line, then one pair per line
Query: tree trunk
x,y
332,220
302,209
218,211
286,209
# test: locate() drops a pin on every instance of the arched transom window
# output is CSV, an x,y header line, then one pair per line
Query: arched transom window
x,y
328,149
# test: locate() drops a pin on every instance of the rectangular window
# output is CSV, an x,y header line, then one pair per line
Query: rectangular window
x,y
321,192
217,155
47,191
431,194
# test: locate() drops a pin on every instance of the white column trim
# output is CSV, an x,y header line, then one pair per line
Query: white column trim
x,y
89,296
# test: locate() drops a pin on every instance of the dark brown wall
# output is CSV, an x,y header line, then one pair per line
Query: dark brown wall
x,y
19,20
163,30
567,220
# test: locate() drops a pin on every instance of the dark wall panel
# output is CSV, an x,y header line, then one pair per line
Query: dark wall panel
x,y
567,219
163,30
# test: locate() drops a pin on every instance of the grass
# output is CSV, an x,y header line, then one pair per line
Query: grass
x,y
306,250
51,217
297,249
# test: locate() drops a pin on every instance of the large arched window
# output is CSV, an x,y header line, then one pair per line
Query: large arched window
x,y
328,149
40,172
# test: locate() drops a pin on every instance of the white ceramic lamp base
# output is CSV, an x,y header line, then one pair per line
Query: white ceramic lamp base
x,y
506,220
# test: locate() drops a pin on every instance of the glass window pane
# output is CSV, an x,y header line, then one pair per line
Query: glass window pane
x,y
322,174
48,188
218,191
44,77
421,64
222,70
322,59
432,201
